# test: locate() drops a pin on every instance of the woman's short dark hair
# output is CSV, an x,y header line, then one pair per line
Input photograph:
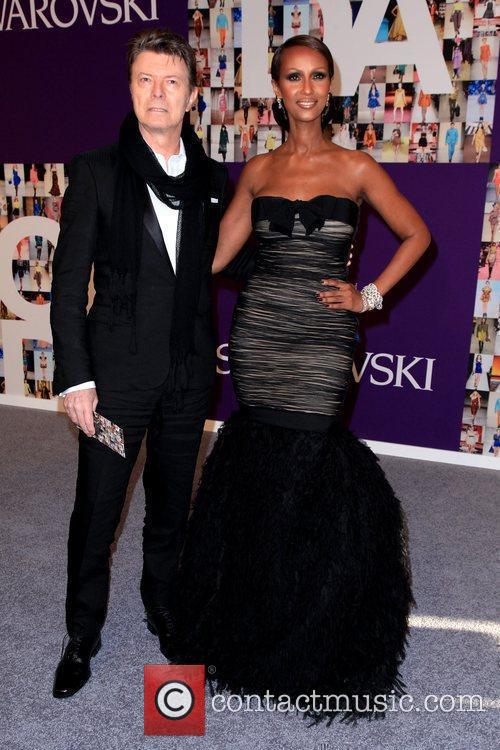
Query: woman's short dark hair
x,y
311,42
162,41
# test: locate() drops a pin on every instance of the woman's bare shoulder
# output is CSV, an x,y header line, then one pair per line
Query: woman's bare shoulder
x,y
351,162
255,171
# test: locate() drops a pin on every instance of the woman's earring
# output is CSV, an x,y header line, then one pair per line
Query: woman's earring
x,y
326,115
280,112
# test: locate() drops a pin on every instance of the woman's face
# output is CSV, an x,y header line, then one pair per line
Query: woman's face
x,y
304,83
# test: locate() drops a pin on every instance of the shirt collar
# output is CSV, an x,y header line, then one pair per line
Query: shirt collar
x,y
176,162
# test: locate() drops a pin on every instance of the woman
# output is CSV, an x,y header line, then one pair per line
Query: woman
x,y
396,142
479,142
54,188
485,56
34,178
37,275
38,246
491,259
16,179
478,370
489,11
452,100
237,75
457,60
482,333
475,403
223,141
494,218
201,106
245,141
222,25
373,100
222,67
496,182
43,363
270,22
20,273
295,574
424,102
370,137
485,296
399,101
422,145
346,108
456,16
482,100
16,207
397,32
197,25
399,71
451,140
222,104
471,440
200,61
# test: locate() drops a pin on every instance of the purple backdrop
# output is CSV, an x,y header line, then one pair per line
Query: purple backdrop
x,y
65,91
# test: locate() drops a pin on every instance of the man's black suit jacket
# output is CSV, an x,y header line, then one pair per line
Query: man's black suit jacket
x,y
84,346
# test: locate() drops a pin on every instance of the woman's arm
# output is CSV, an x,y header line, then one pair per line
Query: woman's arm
x,y
379,191
236,224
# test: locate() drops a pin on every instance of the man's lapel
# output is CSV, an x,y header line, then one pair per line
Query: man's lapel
x,y
153,226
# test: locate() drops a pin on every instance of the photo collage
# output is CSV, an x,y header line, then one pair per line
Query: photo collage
x,y
390,115
32,190
480,432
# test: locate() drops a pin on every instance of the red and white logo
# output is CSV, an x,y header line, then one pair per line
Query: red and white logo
x,y
174,699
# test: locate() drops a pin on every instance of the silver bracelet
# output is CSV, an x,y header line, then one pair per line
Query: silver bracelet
x,y
371,298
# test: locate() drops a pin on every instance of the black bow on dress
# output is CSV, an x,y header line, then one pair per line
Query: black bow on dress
x,y
311,213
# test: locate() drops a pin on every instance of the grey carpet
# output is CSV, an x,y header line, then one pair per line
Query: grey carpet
x,y
451,515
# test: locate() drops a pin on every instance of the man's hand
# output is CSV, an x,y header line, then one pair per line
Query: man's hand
x,y
80,406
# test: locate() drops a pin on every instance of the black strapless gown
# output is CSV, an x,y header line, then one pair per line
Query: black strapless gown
x,y
295,575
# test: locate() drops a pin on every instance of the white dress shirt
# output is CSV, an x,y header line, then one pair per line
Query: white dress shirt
x,y
167,219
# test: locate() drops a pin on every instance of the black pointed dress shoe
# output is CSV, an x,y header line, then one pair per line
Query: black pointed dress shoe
x,y
73,670
160,622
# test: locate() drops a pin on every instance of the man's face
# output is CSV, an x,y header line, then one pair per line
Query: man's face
x,y
160,90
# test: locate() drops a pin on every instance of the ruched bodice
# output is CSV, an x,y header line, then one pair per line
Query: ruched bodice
x,y
287,349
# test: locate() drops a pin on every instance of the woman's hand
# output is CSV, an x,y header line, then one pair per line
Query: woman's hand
x,y
344,297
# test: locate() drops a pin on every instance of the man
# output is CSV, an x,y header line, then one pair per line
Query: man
x,y
144,212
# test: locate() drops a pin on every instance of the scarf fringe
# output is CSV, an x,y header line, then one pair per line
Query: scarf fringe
x,y
123,305
179,374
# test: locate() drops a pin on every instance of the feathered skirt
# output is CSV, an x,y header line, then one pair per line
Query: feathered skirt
x,y
295,573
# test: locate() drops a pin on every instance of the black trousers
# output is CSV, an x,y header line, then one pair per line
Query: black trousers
x,y
172,446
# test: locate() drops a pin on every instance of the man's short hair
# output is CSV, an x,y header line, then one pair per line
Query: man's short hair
x,y
162,41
